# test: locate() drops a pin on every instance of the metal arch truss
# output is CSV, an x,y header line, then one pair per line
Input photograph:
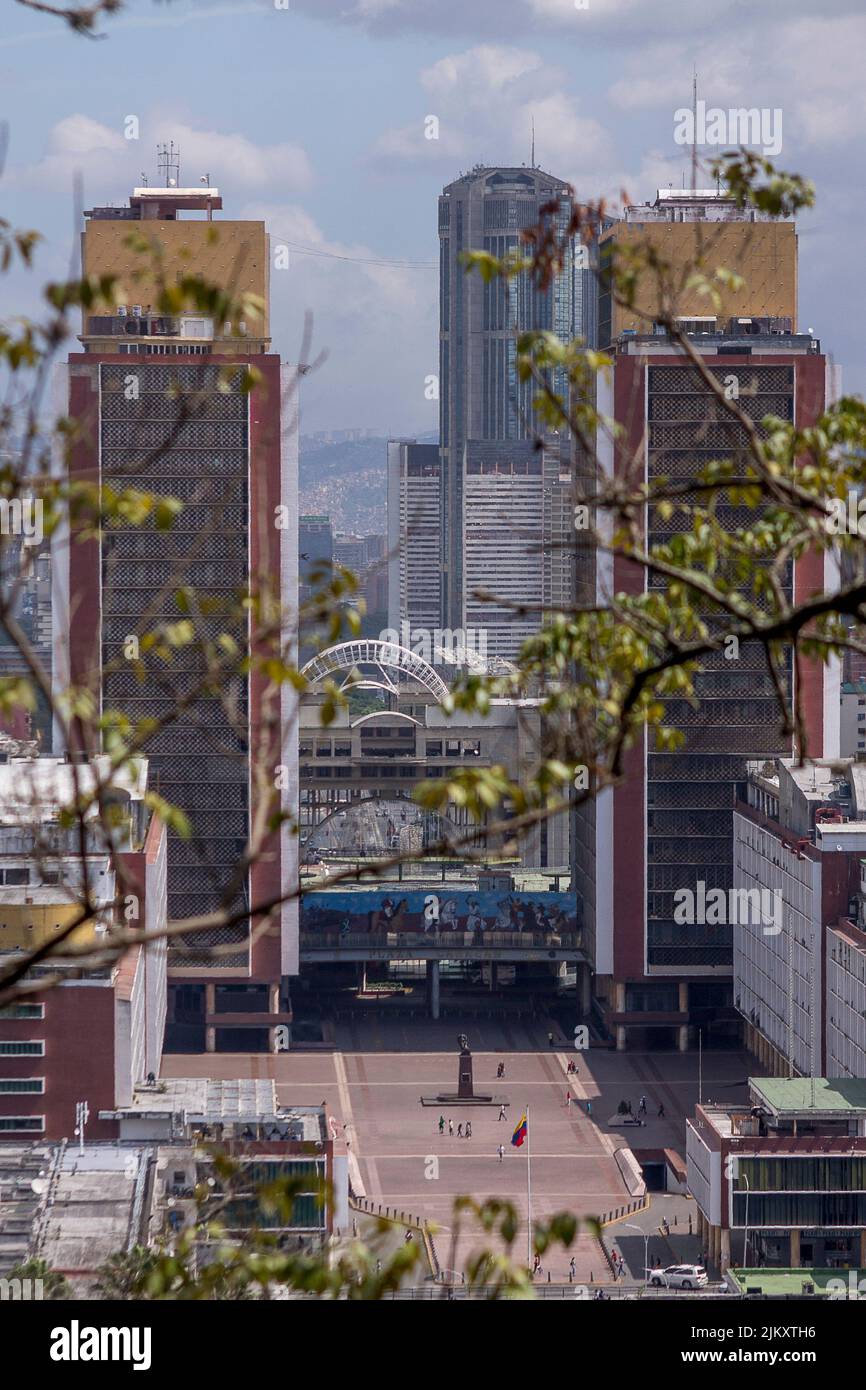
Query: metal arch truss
x,y
384,657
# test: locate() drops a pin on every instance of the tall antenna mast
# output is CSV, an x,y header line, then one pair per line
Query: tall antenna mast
x,y
168,164
533,142
694,130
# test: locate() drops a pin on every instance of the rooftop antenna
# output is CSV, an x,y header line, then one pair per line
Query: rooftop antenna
x,y
533,142
694,130
168,164
143,179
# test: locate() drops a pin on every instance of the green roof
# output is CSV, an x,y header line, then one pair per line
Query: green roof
x,y
793,1095
781,1281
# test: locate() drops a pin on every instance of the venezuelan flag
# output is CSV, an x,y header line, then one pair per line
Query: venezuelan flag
x,y
520,1133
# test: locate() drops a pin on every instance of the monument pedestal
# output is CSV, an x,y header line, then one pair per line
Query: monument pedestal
x,y
465,1093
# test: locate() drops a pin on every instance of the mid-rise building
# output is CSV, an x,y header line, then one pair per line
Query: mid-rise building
x,y
517,529
852,718
490,912
315,554
799,842
414,535
781,1182
96,1033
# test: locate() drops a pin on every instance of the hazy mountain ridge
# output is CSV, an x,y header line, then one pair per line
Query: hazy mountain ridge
x,y
347,481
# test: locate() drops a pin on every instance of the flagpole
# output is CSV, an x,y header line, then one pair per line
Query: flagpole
x,y
528,1194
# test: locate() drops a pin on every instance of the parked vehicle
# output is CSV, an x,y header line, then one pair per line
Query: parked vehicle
x,y
678,1277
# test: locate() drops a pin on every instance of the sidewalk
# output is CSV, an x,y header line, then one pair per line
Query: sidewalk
x,y
679,1247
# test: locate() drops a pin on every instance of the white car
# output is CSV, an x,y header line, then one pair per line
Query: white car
x,y
678,1277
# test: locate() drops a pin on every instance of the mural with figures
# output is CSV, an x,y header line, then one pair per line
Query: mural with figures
x,y
379,911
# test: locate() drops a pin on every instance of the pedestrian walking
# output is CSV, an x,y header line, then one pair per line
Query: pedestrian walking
x,y
460,1131
441,1124
502,1112
500,1070
568,1100
550,1040
451,1128
641,1110
501,1152
589,1107
661,1113
572,1267
468,1129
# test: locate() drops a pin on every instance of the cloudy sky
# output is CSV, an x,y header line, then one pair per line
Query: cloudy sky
x,y
313,117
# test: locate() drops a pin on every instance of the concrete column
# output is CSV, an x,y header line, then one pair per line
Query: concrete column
x,y
274,998
619,998
433,987
725,1258
620,1038
210,999
795,1249
210,1040
585,987
683,1037
684,996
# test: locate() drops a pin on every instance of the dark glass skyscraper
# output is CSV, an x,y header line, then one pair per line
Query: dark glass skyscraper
x,y
481,398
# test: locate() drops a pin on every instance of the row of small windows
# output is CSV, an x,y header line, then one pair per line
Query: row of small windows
x,y
23,877
162,350
447,748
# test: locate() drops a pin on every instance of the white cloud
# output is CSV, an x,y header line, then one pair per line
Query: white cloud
x,y
625,23
486,100
110,164
812,72
378,324
473,75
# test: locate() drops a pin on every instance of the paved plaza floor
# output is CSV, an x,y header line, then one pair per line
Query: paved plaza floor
x,y
375,1074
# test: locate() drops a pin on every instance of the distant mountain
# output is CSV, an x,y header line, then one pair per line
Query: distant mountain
x,y
347,481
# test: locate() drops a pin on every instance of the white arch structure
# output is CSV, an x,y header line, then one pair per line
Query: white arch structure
x,y
384,657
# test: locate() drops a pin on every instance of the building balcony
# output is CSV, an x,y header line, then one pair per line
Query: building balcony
x,y
145,324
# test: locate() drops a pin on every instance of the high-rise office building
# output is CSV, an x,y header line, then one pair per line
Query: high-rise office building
x,y
160,403
482,401
414,535
517,510
315,554
669,825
